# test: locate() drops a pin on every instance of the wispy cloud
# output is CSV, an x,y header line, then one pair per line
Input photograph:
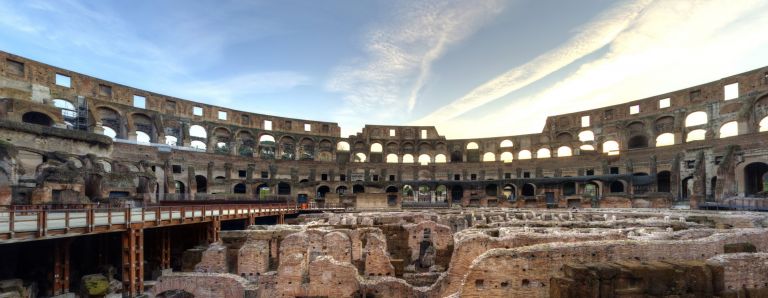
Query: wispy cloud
x,y
671,45
401,51
593,36
240,88
194,41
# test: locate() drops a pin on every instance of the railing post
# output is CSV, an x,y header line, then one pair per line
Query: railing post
x,y
127,218
11,222
66,221
157,216
42,223
109,218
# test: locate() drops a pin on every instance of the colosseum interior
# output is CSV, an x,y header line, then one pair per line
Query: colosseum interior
x,y
112,191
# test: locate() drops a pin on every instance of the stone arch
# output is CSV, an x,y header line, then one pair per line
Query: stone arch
x,y
393,147
617,187
425,159
307,149
665,139
376,148
610,147
529,190
564,151
696,118
202,285
407,158
506,156
489,156
763,125
524,154
287,148
509,191
267,146
239,188
664,124
284,189
586,136
729,129
359,157
39,118
506,144
440,158
202,183
637,142
342,146
322,190
111,118
543,153
145,124
564,137
425,147
392,158
755,178
358,188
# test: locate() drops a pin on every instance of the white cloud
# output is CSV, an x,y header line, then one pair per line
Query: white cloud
x,y
400,53
589,39
671,45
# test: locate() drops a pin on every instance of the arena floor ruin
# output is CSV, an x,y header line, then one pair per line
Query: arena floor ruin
x,y
108,190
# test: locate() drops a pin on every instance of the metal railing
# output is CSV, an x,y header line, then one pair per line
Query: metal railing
x,y
34,221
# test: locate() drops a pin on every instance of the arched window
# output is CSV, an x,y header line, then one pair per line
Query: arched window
x,y
696,135
407,158
142,137
360,157
587,148
586,136
543,153
506,157
525,154
506,143
472,146
198,144
376,148
37,118
424,159
197,131
763,125
108,131
489,156
67,110
440,158
729,129
665,139
610,147
342,146
391,158
529,190
696,118
564,151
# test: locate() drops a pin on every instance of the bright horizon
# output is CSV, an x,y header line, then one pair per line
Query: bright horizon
x,y
472,69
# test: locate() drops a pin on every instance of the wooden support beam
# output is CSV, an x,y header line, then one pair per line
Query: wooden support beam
x,y
61,267
133,261
165,249
214,230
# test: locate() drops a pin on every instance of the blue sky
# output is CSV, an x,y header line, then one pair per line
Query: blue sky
x,y
473,68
